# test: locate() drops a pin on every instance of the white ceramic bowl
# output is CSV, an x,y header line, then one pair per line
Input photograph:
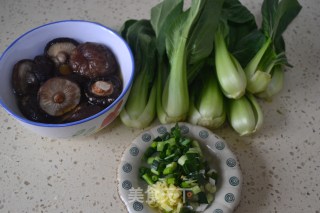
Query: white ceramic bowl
x,y
133,190
33,42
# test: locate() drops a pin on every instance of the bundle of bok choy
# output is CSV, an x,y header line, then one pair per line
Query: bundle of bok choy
x,y
206,62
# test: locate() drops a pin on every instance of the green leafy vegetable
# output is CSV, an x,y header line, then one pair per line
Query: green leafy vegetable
x,y
241,22
140,108
245,114
230,74
207,101
247,46
183,47
275,85
174,49
161,16
277,15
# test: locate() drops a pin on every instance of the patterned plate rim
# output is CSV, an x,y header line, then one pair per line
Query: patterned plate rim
x,y
228,194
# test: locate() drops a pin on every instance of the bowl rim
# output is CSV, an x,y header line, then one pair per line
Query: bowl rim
x,y
124,92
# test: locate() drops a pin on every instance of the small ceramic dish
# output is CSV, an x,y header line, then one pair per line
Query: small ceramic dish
x,y
132,189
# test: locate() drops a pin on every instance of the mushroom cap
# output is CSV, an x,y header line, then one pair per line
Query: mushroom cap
x,y
29,107
59,49
82,111
61,44
93,60
44,68
103,90
58,96
24,80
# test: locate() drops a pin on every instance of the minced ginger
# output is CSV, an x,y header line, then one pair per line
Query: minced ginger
x,y
165,197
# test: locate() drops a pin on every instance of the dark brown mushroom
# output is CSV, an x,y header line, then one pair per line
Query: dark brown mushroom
x,y
24,80
29,107
82,111
58,96
93,60
59,50
44,68
103,90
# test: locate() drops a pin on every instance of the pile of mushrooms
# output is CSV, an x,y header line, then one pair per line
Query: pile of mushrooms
x,y
69,82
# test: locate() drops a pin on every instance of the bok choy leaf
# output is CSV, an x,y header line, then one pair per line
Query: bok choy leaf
x,y
277,16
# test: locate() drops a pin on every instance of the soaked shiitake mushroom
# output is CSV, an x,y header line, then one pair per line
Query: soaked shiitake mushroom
x,y
103,90
59,51
79,79
82,111
93,60
58,96
29,107
24,80
44,68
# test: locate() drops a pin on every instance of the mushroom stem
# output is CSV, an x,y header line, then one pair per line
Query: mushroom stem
x,y
102,88
59,97
62,57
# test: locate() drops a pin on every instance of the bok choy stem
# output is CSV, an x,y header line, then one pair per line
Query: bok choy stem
x,y
140,108
230,74
245,114
275,84
207,106
175,96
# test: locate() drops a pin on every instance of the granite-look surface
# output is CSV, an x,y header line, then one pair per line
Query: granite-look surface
x,y
280,163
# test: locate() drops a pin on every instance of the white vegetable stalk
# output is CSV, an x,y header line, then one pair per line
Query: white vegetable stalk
x,y
175,97
140,109
207,103
275,85
174,103
231,76
258,77
245,115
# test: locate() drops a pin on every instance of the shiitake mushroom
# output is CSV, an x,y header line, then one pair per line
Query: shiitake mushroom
x,y
58,96
59,51
44,68
24,80
30,108
28,74
82,111
93,60
103,90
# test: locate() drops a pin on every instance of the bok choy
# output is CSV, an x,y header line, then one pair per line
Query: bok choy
x,y
183,48
207,106
275,85
207,62
230,74
140,108
245,114
277,15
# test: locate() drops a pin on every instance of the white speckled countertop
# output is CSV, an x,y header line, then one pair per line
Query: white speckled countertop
x,y
280,163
